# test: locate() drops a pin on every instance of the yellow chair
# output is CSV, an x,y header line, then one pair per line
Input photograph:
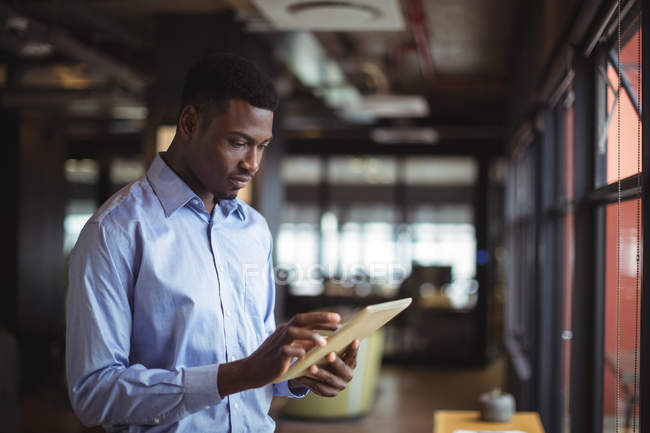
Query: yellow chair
x,y
357,398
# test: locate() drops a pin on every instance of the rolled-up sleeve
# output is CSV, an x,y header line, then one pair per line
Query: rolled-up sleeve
x,y
103,386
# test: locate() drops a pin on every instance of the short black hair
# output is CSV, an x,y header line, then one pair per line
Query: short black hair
x,y
219,77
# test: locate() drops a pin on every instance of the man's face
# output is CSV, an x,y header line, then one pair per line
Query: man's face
x,y
226,152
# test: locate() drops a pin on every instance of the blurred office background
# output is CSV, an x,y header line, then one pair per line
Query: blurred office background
x,y
469,154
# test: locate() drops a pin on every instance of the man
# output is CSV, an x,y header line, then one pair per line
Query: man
x,y
170,310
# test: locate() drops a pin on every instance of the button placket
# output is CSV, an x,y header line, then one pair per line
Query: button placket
x,y
220,282
225,300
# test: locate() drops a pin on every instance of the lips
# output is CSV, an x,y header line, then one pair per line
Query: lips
x,y
240,181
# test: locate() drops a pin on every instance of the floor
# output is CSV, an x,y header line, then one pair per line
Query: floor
x,y
405,401
406,398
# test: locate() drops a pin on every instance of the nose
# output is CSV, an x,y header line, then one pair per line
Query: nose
x,y
251,160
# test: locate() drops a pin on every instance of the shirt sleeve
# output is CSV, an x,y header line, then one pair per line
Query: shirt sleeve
x,y
279,389
104,387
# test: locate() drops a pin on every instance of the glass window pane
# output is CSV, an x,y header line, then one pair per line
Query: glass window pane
x,y
354,170
85,171
629,58
611,104
628,133
628,313
350,248
329,227
301,170
440,171
77,212
123,170
297,248
443,235
368,242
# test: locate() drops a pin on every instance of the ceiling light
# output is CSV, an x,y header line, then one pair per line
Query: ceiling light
x,y
36,49
405,135
345,15
387,105
17,23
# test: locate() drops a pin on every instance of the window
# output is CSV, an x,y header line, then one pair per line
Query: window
x,y
521,240
76,214
297,247
125,170
618,150
629,313
610,104
362,223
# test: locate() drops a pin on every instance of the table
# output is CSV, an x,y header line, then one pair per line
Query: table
x,y
447,421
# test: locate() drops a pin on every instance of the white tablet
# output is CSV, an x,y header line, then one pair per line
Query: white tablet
x,y
360,326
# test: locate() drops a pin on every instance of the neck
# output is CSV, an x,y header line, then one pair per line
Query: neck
x,y
175,160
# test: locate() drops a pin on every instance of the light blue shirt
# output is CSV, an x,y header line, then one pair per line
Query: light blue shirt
x,y
161,293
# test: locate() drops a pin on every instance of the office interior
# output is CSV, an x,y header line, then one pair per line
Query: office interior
x,y
485,158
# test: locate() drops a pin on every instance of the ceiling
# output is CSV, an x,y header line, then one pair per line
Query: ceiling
x,y
447,56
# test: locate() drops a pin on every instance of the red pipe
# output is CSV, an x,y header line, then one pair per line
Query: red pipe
x,y
418,22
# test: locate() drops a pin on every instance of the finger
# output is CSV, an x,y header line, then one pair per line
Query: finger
x,y
316,320
338,367
319,388
350,354
292,352
295,333
352,349
305,344
328,377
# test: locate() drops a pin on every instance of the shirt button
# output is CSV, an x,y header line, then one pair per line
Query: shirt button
x,y
236,405
228,313
156,421
195,201
207,407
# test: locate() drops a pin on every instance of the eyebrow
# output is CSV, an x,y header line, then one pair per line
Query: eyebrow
x,y
249,138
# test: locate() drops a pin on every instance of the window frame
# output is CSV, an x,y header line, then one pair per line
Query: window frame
x,y
590,226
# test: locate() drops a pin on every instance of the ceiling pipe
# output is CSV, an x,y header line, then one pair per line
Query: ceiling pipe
x,y
81,12
132,80
418,24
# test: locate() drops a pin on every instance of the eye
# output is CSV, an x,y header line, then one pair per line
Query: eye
x,y
262,146
237,144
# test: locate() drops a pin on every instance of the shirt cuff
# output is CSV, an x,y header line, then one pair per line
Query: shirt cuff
x,y
282,390
201,387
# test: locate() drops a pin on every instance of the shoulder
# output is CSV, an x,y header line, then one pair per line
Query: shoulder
x,y
126,207
115,222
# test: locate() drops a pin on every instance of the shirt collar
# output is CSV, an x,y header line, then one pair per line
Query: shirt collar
x,y
174,193
229,206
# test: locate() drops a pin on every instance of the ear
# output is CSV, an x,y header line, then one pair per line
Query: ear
x,y
188,122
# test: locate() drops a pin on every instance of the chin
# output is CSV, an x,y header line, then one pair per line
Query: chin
x,y
226,195
230,195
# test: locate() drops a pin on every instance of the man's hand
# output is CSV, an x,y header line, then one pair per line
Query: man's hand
x,y
329,380
274,357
